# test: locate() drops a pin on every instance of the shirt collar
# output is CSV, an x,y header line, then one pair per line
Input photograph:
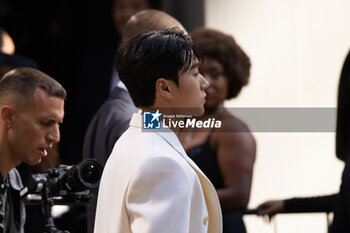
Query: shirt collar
x,y
122,85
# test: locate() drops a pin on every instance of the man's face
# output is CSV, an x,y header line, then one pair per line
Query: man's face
x,y
35,128
124,9
190,95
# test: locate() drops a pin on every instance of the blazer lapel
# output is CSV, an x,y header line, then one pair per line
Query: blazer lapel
x,y
211,198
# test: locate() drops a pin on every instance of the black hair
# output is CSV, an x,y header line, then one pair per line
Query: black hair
x,y
150,56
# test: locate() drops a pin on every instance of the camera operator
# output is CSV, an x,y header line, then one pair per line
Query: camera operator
x,y
32,107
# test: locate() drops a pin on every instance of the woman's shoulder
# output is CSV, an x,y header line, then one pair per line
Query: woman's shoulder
x,y
234,137
232,124
233,132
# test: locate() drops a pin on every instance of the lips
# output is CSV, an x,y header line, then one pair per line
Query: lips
x,y
43,151
208,96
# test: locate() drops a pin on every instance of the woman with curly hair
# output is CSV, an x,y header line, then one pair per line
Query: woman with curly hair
x,y
225,155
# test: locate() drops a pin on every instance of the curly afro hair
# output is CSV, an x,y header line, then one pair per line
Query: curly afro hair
x,y
223,48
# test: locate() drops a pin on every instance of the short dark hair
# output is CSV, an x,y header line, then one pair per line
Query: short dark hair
x,y
150,56
23,82
223,48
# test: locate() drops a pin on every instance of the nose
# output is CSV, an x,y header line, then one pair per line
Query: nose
x,y
204,83
208,78
54,135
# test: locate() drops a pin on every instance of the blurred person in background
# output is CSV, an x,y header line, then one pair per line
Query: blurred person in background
x,y
226,155
341,220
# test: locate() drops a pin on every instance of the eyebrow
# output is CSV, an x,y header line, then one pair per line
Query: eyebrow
x,y
54,120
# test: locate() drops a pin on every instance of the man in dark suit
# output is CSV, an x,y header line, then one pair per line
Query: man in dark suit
x,y
108,124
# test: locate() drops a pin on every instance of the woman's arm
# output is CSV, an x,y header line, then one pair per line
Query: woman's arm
x,y
236,156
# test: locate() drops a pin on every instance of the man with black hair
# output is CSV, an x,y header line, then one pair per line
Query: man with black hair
x,y
113,117
149,184
31,109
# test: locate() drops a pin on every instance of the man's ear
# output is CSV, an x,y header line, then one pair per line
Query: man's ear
x,y
7,115
164,88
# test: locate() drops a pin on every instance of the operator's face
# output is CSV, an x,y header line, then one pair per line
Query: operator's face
x,y
124,9
34,129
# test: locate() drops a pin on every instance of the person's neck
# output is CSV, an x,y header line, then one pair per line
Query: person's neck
x,y
6,163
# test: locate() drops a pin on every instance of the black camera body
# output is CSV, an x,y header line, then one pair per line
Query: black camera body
x,y
65,180
63,185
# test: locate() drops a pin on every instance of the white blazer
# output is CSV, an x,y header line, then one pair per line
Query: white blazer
x,y
150,185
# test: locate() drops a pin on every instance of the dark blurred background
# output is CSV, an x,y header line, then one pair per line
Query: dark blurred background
x,y
60,34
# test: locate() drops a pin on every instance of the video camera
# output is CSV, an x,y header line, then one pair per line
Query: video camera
x,y
62,186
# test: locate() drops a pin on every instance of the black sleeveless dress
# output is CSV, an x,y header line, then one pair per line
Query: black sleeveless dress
x,y
205,158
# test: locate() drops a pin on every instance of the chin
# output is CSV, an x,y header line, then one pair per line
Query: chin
x,y
209,105
34,162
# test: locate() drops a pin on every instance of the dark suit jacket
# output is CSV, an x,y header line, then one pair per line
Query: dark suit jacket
x,y
108,124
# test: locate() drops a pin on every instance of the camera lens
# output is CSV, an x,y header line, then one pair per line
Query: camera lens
x,y
85,175
90,174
